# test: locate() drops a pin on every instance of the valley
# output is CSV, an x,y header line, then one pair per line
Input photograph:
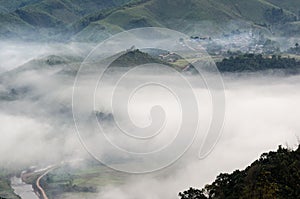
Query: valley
x,y
153,99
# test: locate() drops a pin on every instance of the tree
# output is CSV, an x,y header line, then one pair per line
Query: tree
x,y
274,175
192,194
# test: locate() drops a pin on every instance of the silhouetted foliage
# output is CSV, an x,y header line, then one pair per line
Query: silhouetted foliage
x,y
192,194
274,175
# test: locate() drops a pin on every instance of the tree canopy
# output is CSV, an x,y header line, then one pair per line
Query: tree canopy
x,y
257,62
273,175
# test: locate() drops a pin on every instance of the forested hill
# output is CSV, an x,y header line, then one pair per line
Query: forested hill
x,y
274,175
78,19
258,62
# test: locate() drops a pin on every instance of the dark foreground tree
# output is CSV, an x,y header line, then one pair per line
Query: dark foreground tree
x,y
274,175
192,194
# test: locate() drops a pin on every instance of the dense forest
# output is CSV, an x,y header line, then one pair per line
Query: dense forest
x,y
257,62
274,175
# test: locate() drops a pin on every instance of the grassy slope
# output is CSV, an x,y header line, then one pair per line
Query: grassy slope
x,y
182,14
11,25
247,10
66,11
169,12
18,17
92,176
188,16
166,13
12,5
5,190
151,13
290,5
61,10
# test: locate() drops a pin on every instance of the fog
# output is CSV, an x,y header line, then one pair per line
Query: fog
x,y
37,126
15,53
261,114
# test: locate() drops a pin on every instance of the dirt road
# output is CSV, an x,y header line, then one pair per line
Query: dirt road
x,y
38,185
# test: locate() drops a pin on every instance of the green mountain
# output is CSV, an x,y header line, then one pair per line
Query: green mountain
x,y
96,20
134,58
194,16
47,18
274,175
12,5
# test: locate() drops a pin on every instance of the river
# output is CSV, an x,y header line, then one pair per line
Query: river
x,y
25,191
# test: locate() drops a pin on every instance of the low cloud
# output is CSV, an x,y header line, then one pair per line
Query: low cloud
x,y
37,126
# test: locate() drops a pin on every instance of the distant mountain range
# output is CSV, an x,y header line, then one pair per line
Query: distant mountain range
x,y
91,20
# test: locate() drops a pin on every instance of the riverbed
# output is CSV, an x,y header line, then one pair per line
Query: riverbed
x,y
25,191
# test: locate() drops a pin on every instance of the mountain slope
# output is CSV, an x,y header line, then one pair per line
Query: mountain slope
x,y
290,5
64,11
191,16
47,18
12,5
96,20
